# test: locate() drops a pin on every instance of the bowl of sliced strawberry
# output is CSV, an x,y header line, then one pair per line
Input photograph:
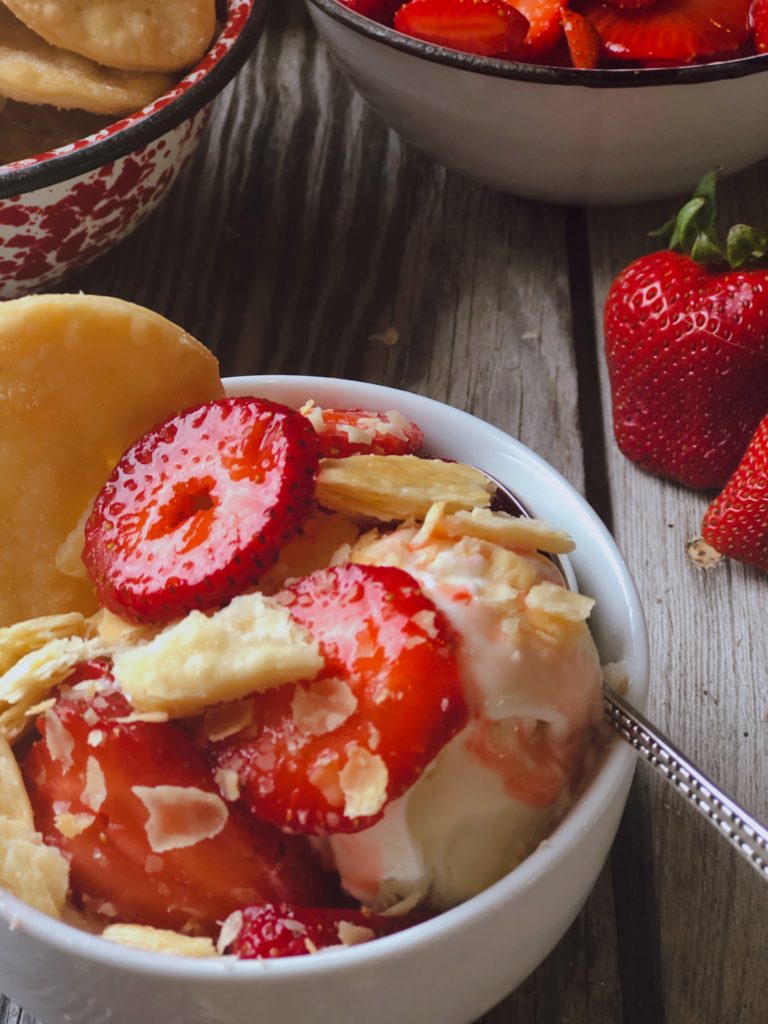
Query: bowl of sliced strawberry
x,y
584,101
297,711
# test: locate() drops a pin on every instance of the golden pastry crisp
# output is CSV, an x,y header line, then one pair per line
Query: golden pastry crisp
x,y
164,35
81,377
33,71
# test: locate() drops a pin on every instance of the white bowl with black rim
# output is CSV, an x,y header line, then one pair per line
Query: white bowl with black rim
x,y
558,134
61,209
450,969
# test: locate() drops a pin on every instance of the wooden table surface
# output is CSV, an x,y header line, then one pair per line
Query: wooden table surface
x,y
307,238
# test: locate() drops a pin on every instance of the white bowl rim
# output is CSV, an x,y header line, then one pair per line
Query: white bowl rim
x,y
591,78
617,766
154,121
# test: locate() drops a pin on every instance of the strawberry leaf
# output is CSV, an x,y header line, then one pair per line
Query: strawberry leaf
x,y
706,250
694,231
686,226
746,245
707,190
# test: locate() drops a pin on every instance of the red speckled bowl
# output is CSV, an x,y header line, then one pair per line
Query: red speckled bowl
x,y
62,209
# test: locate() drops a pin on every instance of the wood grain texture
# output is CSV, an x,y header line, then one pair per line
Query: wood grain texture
x,y
305,237
710,651
319,238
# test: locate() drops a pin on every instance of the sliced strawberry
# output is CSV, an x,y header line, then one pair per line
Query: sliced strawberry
x,y
272,931
545,30
679,31
382,11
326,756
198,509
488,28
736,523
583,41
758,17
343,432
85,778
630,5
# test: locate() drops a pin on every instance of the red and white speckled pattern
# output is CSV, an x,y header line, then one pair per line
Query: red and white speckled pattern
x,y
48,233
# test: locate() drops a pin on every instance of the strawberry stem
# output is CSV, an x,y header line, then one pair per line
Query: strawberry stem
x,y
694,231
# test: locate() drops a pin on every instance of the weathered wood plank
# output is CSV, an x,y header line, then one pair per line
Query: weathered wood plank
x,y
304,237
710,651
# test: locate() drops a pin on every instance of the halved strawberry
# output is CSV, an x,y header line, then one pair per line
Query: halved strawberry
x,y
758,17
583,41
130,802
343,432
282,930
488,28
377,10
673,31
544,30
327,756
198,509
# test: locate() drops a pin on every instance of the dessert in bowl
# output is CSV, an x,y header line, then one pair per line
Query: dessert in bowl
x,y
66,198
504,929
562,134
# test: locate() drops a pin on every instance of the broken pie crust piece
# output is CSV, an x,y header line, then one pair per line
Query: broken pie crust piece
x,y
399,487
33,872
34,71
83,378
516,532
251,645
158,940
29,680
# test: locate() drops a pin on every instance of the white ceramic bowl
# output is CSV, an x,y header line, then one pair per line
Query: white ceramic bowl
x,y
559,134
59,210
450,969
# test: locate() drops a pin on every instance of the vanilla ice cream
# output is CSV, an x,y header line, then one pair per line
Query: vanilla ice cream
x,y
532,677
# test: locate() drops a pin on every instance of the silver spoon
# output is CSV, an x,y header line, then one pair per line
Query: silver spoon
x,y
745,832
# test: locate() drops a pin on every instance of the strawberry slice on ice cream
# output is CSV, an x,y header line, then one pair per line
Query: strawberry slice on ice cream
x,y
343,432
134,807
276,930
198,509
326,756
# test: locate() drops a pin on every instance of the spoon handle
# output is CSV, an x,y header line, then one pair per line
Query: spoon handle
x,y
746,833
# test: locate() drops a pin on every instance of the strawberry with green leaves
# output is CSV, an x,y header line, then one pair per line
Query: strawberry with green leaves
x,y
736,523
686,343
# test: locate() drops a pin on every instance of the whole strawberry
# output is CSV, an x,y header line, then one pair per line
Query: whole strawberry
x,y
736,523
686,342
